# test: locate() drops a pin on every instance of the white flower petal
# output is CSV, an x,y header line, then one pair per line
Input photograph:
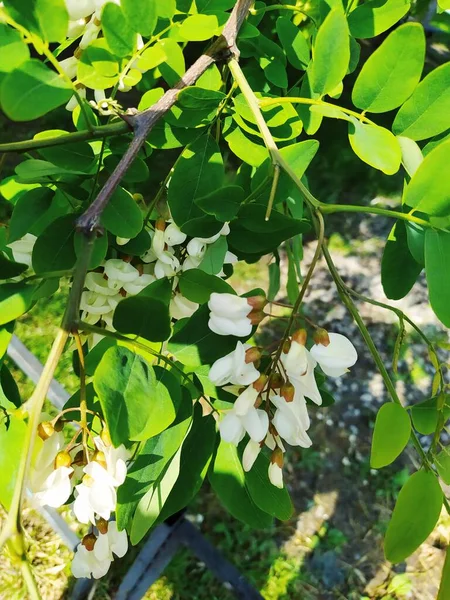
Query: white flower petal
x,y
251,452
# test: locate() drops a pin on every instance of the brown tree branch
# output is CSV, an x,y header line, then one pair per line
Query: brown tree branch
x,y
142,123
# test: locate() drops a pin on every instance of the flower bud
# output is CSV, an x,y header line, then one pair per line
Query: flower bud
x,y
160,224
258,401
260,383
256,316
300,336
277,457
287,346
276,381
257,302
102,525
321,337
89,541
138,197
45,430
287,391
100,458
252,355
63,459
105,437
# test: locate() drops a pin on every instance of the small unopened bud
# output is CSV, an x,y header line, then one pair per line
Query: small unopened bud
x,y
276,381
63,459
258,401
321,337
100,458
89,541
252,355
45,430
287,346
102,525
138,197
256,316
105,437
300,336
287,391
260,383
277,457
257,302
160,224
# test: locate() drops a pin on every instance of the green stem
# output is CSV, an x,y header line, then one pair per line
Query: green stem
x,y
374,210
265,102
30,581
97,132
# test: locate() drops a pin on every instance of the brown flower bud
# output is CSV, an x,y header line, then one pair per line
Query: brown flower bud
x,y
160,224
260,383
45,430
63,459
287,391
321,337
277,457
257,302
105,437
287,346
252,355
102,525
276,381
100,458
256,316
300,336
89,541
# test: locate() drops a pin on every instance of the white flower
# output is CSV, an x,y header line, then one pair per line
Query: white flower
x,y
85,564
196,248
22,249
337,357
111,542
191,263
276,475
295,361
69,66
224,231
173,236
136,286
79,9
116,459
245,401
94,303
291,420
96,495
181,307
73,102
165,267
251,453
90,33
158,242
228,315
233,369
76,28
306,384
119,272
233,427
96,282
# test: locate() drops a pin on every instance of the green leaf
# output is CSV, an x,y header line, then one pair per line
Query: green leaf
x,y
197,98
147,314
196,345
294,43
198,172
399,270
32,90
425,415
214,256
375,145
154,456
15,300
12,438
442,462
415,515
244,148
135,404
122,216
311,120
13,50
197,285
40,170
392,72
222,203
142,15
78,156
10,268
48,19
390,435
375,16
197,28
411,154
118,32
196,454
437,257
54,249
427,112
331,53
428,191
270,499
98,68
444,587
228,480
8,388
274,280
416,242
6,333
173,67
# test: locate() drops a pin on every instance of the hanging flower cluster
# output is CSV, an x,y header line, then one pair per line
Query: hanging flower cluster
x,y
90,475
271,408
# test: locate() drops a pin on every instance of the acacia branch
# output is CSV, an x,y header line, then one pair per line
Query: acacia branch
x,y
142,123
